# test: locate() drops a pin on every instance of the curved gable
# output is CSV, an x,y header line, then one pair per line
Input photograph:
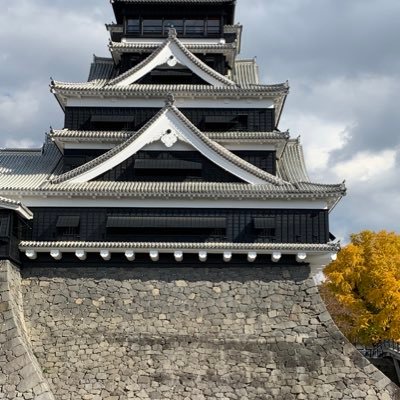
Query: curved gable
x,y
172,52
168,126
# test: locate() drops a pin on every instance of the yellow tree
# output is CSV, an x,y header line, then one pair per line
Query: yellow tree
x,y
365,283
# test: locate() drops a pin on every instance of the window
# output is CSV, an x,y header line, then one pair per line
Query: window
x,y
194,27
68,227
213,26
242,121
174,170
152,27
191,27
266,228
219,123
173,23
112,122
4,225
197,229
133,26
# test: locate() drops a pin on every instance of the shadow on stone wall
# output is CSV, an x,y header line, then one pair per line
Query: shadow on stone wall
x,y
170,274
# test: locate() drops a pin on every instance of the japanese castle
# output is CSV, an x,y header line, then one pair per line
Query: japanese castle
x,y
170,154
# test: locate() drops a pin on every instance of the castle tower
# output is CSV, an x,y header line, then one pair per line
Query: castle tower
x,y
171,153
170,156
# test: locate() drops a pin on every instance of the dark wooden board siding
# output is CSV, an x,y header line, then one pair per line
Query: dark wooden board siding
x,y
291,226
79,118
11,229
210,172
216,61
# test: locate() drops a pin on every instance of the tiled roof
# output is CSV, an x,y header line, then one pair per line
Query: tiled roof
x,y
99,87
247,136
172,39
17,206
134,47
26,169
212,145
278,91
199,190
119,136
178,190
329,247
71,135
291,166
28,173
102,68
246,72
230,50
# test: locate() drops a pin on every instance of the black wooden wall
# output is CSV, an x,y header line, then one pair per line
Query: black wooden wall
x,y
215,61
252,120
11,230
241,225
205,171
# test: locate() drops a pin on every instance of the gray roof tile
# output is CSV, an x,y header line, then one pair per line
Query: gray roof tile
x,y
27,169
196,190
246,72
102,68
291,166
329,247
65,135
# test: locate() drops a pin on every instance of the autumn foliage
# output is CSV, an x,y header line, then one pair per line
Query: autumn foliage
x,y
363,287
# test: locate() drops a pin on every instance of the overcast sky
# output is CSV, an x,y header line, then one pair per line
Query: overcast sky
x,y
341,57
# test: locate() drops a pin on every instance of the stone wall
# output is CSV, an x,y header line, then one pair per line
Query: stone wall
x,y
20,374
233,333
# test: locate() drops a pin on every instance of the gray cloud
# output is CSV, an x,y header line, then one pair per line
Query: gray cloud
x,y
322,39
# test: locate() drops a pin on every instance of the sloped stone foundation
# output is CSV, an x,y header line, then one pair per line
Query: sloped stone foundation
x,y
20,374
241,333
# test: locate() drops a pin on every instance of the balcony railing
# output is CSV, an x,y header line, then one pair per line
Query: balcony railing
x,y
160,28
381,349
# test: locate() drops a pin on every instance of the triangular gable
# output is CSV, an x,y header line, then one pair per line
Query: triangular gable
x,y
172,52
168,126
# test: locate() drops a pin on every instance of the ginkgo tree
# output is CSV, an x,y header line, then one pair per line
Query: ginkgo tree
x,y
363,287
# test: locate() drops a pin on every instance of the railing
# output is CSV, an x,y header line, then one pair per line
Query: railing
x,y
185,28
381,349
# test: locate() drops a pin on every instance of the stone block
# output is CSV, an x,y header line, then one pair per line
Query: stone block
x,y
28,383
